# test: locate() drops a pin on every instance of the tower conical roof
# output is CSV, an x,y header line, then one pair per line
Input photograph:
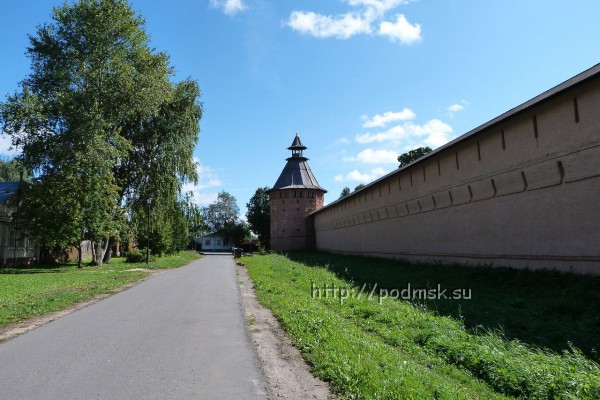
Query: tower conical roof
x,y
297,144
297,174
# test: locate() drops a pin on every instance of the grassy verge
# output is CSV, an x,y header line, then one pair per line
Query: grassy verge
x,y
545,309
387,349
29,292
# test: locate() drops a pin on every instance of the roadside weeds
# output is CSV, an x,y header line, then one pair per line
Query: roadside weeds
x,y
288,375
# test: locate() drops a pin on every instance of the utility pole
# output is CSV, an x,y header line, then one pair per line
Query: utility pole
x,y
148,236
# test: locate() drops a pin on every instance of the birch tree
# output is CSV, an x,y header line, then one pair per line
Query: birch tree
x,y
100,115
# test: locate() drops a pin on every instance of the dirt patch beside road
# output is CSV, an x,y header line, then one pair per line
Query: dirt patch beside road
x,y
288,375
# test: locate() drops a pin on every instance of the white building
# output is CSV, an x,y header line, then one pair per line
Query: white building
x,y
215,242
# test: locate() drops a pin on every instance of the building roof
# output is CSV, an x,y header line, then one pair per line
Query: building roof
x,y
7,190
297,144
297,174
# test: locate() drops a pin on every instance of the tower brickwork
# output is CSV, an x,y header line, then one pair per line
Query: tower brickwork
x,y
295,195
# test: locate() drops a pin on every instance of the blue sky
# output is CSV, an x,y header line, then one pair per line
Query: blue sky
x,y
361,80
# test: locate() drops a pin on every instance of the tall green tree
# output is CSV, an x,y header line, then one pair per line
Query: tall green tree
x,y
193,216
54,217
99,107
222,217
161,155
413,155
11,170
222,213
168,229
259,216
345,192
236,232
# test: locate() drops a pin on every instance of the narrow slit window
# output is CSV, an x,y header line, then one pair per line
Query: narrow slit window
x,y
535,127
503,140
576,109
561,170
478,151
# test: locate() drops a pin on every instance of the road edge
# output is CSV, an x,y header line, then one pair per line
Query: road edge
x,y
11,331
288,375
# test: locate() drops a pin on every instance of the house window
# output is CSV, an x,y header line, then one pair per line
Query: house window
x,y
218,242
207,242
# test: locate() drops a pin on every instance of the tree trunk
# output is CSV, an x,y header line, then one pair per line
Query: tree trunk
x,y
99,253
79,250
79,255
108,249
93,253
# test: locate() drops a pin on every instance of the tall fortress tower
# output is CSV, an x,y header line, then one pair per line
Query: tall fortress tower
x,y
294,196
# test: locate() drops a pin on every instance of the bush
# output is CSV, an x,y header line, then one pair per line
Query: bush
x,y
137,256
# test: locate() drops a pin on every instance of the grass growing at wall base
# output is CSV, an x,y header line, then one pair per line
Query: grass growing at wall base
x,y
398,349
548,309
38,290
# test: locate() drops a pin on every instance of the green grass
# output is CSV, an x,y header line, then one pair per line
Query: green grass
x,y
401,349
35,291
546,309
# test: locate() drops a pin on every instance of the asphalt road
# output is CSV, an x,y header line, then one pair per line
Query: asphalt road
x,y
178,335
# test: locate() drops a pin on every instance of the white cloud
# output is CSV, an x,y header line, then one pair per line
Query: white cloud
x,y
346,25
379,5
229,7
433,133
358,176
207,179
379,120
456,107
403,136
400,31
204,199
322,26
6,144
370,156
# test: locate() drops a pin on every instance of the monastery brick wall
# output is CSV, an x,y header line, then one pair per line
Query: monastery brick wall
x,y
522,190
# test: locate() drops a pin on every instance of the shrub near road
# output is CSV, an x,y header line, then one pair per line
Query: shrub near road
x,y
29,292
393,349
